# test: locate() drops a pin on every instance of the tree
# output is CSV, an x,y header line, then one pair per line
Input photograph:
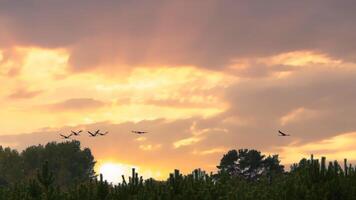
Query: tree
x,y
67,160
32,158
272,167
272,164
46,178
11,169
249,164
228,162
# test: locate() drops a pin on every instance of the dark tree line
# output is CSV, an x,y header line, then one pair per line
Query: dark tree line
x,y
242,175
67,160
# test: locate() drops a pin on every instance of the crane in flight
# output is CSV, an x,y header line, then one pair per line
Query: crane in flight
x,y
94,134
66,136
139,132
102,134
282,134
76,133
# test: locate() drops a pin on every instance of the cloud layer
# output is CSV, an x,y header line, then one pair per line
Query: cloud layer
x,y
210,34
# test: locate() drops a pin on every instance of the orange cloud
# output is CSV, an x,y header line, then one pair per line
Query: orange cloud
x,y
298,114
76,105
282,65
150,147
217,150
301,58
24,94
177,92
186,142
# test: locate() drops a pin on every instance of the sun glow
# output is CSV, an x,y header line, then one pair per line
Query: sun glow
x,y
112,172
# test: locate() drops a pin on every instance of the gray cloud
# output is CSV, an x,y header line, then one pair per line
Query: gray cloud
x,y
207,34
328,93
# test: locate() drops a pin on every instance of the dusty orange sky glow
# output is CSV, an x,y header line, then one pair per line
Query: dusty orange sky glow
x,y
201,77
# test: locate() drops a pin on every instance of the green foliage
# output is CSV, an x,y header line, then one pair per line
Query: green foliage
x,y
70,165
46,178
11,166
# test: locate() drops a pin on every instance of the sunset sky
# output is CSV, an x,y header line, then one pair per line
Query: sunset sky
x,y
202,77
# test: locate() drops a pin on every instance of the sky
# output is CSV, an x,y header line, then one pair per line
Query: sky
x,y
202,77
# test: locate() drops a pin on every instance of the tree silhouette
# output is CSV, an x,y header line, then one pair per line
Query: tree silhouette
x,y
69,162
249,164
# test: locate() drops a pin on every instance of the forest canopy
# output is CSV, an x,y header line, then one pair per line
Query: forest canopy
x,y
67,160
65,171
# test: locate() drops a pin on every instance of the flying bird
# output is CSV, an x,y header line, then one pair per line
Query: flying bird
x,y
77,133
66,136
102,134
94,134
282,134
139,132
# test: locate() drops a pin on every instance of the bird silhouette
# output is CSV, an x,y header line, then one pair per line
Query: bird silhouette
x,y
77,133
282,134
66,136
102,134
94,134
139,132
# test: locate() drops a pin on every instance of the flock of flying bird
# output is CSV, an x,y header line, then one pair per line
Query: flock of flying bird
x,y
93,134
98,133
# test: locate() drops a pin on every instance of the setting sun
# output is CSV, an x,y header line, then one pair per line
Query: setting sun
x,y
112,172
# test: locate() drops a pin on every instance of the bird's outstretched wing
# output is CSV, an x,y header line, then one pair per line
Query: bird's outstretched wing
x,y
103,133
77,133
282,134
139,132
65,136
92,134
